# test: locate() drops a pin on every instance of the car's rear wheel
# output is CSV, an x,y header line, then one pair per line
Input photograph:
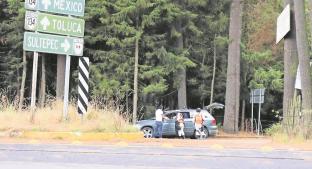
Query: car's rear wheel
x,y
148,132
205,133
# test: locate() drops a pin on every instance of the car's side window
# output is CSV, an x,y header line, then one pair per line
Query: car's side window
x,y
171,115
186,115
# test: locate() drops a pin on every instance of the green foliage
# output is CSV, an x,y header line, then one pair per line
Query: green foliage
x,y
274,129
269,79
11,36
262,60
112,26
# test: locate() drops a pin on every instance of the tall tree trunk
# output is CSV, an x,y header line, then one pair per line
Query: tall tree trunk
x,y
242,126
136,71
310,14
42,92
22,91
304,65
233,70
181,74
290,61
60,77
214,70
303,54
202,98
135,84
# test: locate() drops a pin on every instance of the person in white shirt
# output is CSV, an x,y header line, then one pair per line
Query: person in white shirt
x,y
180,125
159,114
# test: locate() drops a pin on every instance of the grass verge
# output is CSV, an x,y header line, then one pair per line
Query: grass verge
x,y
49,119
279,135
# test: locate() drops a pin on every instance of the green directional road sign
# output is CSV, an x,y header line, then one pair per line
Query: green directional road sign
x,y
67,7
62,25
46,43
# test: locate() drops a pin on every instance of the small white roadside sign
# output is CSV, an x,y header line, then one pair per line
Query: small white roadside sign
x,y
283,24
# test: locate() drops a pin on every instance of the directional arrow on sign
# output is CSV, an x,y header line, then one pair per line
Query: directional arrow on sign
x,y
65,45
48,43
46,4
45,23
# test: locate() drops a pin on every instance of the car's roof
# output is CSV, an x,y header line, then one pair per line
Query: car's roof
x,y
192,112
183,110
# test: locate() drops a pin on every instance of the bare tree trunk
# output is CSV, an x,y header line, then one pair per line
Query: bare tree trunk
x,y
22,91
181,74
135,84
303,53
233,69
42,92
136,71
242,126
60,77
202,98
310,13
214,70
290,61
127,102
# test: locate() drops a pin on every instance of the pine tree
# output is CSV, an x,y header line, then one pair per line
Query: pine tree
x,y
11,38
233,71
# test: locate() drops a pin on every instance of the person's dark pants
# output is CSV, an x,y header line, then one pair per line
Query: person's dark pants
x,y
158,131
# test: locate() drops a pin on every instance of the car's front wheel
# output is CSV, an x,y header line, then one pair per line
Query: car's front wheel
x,y
148,132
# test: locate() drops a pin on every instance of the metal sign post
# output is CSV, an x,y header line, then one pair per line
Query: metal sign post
x,y
34,82
256,96
259,114
66,88
252,109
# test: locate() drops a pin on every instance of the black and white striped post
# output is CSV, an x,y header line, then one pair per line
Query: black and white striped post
x,y
83,85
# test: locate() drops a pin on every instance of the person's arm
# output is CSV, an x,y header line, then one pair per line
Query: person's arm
x,y
202,118
164,116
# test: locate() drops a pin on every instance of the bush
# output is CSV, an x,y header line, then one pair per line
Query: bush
x,y
274,129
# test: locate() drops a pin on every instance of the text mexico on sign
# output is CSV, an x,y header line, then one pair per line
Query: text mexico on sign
x,y
53,44
48,23
67,7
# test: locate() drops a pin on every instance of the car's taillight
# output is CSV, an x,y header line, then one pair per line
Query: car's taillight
x,y
213,122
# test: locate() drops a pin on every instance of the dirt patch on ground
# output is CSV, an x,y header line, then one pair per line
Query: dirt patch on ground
x,y
264,143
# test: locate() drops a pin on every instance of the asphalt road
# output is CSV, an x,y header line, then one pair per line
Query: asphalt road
x,y
53,156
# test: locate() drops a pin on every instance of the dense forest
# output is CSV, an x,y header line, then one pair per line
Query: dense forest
x,y
177,53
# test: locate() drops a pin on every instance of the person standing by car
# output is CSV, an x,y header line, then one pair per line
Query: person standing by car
x,y
159,115
198,122
180,125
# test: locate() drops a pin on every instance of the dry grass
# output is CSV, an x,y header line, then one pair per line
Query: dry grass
x,y
49,118
280,135
242,134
